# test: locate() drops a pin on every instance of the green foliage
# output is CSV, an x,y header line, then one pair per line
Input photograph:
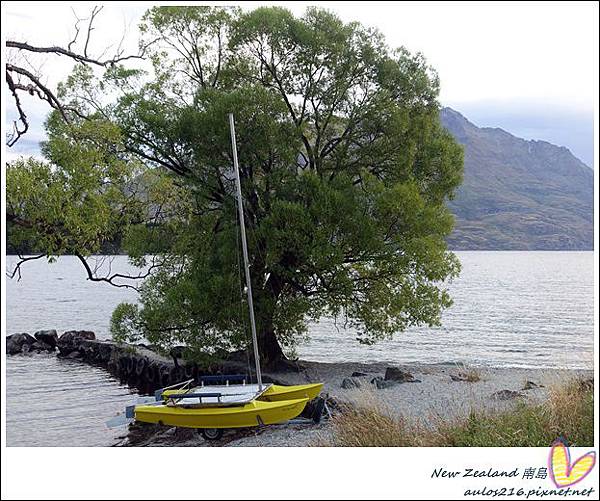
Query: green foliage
x,y
124,323
345,173
70,209
85,194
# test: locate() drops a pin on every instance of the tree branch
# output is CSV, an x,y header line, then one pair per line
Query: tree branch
x,y
81,58
17,131
42,91
110,278
17,268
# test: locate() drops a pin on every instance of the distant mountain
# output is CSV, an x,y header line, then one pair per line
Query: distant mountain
x,y
519,194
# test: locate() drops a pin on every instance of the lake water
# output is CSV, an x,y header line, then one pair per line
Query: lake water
x,y
511,309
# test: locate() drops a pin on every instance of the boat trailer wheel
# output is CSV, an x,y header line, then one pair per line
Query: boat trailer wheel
x,y
212,433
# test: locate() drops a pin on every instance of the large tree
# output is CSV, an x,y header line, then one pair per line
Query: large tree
x,y
345,173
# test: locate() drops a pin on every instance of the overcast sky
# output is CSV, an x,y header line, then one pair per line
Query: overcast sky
x,y
528,68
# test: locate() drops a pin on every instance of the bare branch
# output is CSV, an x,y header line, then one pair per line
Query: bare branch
x,y
17,131
35,86
111,278
81,58
43,92
17,269
78,20
95,11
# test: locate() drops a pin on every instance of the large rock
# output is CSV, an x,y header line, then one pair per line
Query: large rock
x,y
89,335
49,337
382,384
40,346
104,352
400,376
16,342
70,340
349,383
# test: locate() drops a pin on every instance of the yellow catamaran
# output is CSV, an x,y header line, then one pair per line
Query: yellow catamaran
x,y
212,409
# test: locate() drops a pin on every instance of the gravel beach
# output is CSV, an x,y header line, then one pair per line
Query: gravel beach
x,y
436,392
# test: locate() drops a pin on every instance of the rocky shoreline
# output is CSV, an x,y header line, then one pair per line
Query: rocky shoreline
x,y
138,366
419,392
416,391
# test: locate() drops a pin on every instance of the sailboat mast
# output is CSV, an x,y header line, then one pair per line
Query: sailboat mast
x,y
240,205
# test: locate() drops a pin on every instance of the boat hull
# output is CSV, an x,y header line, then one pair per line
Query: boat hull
x,y
274,393
277,393
249,415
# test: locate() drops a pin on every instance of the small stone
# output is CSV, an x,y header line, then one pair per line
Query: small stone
x,y
184,434
530,385
359,374
506,395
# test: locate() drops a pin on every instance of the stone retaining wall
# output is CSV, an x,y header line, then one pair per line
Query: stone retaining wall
x,y
136,365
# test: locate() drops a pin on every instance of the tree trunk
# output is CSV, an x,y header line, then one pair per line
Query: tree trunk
x,y
271,354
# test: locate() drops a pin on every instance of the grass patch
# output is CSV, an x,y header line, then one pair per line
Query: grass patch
x,y
568,412
369,424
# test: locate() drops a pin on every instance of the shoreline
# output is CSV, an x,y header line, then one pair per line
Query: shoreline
x,y
424,392
435,396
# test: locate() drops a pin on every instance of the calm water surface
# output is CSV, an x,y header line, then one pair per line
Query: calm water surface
x,y
512,309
